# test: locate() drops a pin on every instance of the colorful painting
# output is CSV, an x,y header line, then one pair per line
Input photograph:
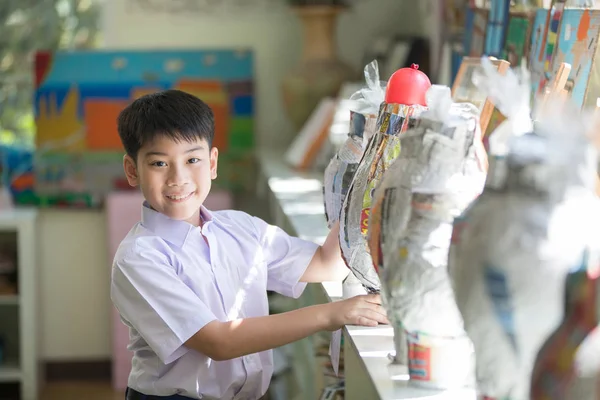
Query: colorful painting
x,y
549,44
516,46
539,32
577,45
17,173
80,94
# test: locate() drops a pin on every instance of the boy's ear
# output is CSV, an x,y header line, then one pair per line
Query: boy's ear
x,y
214,158
130,170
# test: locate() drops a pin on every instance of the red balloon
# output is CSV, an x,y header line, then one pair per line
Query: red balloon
x,y
407,86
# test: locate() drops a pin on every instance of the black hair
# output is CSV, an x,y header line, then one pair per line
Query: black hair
x,y
172,113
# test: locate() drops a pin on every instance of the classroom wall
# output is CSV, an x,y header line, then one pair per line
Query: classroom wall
x,y
74,274
276,38
74,278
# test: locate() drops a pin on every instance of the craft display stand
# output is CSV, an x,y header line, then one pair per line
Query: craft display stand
x,y
464,90
368,372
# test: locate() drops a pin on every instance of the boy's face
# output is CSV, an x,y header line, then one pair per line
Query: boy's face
x,y
175,177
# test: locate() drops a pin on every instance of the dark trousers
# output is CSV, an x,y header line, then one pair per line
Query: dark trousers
x,y
131,394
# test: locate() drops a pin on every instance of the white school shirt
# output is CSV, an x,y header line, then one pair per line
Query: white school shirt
x,y
168,283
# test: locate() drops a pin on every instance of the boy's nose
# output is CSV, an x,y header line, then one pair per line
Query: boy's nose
x,y
175,183
177,178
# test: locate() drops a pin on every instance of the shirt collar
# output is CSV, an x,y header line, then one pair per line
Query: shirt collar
x,y
171,230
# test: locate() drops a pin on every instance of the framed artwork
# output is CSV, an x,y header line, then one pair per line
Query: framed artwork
x,y
79,94
518,37
539,31
577,45
309,142
556,88
553,19
464,90
495,120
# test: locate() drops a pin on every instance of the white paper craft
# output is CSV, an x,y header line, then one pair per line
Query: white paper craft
x,y
512,249
382,150
340,171
438,174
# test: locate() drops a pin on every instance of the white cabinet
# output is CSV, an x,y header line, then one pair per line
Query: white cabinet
x,y
18,313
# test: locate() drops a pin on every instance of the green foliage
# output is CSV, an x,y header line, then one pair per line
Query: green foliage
x,y
25,27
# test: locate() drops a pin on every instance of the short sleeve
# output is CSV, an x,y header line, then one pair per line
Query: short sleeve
x,y
287,258
147,292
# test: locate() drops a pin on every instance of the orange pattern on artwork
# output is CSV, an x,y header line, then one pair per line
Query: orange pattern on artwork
x,y
212,93
101,124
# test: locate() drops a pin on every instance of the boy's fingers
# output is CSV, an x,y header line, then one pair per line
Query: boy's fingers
x,y
374,316
373,298
380,310
364,321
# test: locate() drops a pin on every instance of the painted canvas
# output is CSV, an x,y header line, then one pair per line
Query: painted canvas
x,y
578,45
518,38
17,173
549,47
80,94
539,32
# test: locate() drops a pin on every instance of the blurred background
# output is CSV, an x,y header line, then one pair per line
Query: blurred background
x,y
67,67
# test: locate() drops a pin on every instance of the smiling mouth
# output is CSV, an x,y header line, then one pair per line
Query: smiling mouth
x,y
179,198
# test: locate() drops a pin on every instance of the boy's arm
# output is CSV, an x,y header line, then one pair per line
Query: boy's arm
x,y
226,340
327,264
150,295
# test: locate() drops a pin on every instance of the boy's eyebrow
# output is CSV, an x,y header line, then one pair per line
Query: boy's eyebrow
x,y
159,153
195,148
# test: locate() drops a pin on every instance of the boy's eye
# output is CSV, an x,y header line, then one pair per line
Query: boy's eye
x,y
193,160
159,164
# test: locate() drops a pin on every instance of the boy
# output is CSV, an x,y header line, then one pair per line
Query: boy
x,y
192,284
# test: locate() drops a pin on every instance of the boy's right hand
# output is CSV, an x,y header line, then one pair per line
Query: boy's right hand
x,y
365,310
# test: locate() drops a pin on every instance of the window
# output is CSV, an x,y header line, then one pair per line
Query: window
x,y
27,26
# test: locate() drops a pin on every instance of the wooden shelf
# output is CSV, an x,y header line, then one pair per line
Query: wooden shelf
x,y
21,224
10,372
9,300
